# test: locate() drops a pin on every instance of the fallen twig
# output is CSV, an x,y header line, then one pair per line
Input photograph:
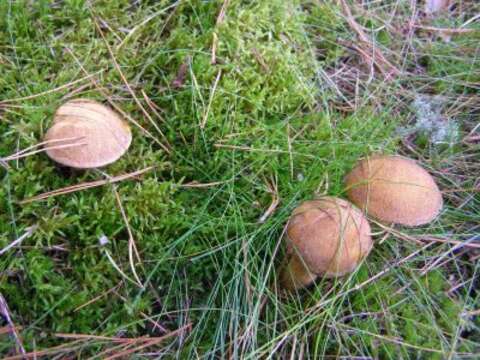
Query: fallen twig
x,y
149,342
212,94
166,146
195,184
4,311
272,189
34,149
378,275
62,87
86,185
14,243
376,58
445,30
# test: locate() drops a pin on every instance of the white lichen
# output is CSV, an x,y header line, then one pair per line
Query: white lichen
x,y
431,123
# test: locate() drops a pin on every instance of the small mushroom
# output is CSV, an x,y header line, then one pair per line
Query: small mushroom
x,y
87,134
394,189
325,237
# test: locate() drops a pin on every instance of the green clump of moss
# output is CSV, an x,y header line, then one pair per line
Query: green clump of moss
x,y
419,322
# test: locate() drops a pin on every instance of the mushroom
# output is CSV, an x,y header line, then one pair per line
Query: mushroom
x,y
87,134
394,189
325,237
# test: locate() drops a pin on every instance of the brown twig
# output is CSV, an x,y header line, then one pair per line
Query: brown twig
x,y
36,354
4,311
423,238
378,275
14,243
130,90
223,11
153,341
86,185
154,107
59,88
213,59
212,94
132,247
194,184
96,298
371,53
220,17
112,103
445,30
274,151
26,152
273,190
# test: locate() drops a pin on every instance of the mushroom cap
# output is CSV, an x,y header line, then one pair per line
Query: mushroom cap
x,y
329,236
394,189
98,135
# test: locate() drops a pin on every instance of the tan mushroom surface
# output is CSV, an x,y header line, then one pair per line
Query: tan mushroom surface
x,y
394,189
325,237
87,134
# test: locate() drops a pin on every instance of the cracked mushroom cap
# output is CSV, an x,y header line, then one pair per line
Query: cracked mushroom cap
x,y
394,189
87,134
325,237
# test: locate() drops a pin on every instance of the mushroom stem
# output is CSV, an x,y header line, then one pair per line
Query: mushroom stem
x,y
295,274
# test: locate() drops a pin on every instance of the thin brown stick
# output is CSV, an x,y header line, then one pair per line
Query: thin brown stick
x,y
378,275
23,153
132,247
289,143
200,185
376,57
6,329
436,263
446,191
213,59
445,30
96,298
59,88
120,346
212,94
112,103
273,190
86,185
147,20
390,339
5,312
223,11
18,241
36,354
152,106
42,143
130,90
103,338
421,239
154,341
220,17
275,151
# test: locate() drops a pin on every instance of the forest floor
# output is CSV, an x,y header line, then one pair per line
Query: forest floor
x,y
240,110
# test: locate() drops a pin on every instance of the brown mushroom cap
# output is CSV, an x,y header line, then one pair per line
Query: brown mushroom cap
x,y
327,236
394,189
98,135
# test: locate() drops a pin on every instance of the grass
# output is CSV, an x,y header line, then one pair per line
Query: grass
x,y
284,112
